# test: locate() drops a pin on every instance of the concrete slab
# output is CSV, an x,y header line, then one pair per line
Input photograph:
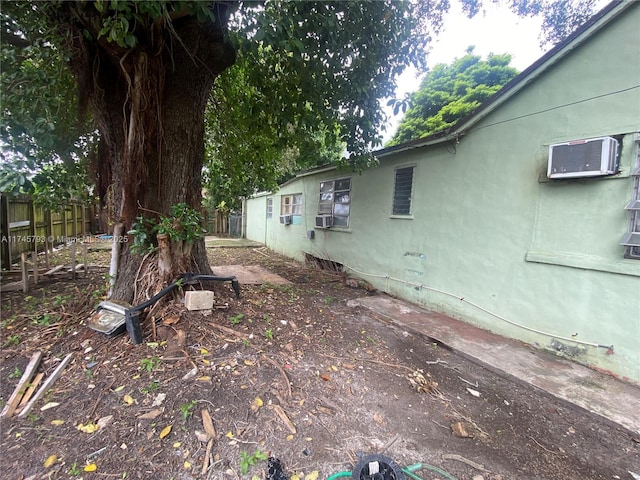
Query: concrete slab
x,y
596,392
249,274
212,241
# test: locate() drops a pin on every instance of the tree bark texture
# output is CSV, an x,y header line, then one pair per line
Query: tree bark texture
x,y
149,104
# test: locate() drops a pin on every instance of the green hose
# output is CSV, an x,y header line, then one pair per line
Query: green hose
x,y
412,468
339,475
409,471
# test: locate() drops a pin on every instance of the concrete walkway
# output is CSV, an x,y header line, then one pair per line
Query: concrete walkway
x,y
601,394
212,241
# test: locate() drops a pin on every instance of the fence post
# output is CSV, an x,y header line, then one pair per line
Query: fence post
x,y
5,250
25,272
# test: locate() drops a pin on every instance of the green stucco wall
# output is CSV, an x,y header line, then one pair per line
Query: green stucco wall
x,y
488,227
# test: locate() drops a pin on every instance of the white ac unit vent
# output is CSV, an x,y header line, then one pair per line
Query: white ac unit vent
x,y
583,158
286,219
324,221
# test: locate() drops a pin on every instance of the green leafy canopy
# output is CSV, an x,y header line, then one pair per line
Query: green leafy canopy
x,y
450,92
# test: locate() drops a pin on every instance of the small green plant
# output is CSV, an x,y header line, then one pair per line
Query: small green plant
x,y
237,319
328,300
143,233
183,223
248,460
268,333
154,385
44,319
149,364
246,342
12,340
186,409
74,470
267,319
17,373
60,300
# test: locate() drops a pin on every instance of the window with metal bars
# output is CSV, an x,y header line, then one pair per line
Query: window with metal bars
x,y
631,240
402,191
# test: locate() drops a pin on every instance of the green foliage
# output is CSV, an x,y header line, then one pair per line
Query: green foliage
x,y
12,340
307,82
45,143
17,373
236,319
149,364
248,460
74,470
186,409
182,224
450,92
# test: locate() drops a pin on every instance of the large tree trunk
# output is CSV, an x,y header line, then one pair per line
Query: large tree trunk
x,y
149,103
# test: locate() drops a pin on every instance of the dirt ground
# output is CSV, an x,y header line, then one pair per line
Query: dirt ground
x,y
297,371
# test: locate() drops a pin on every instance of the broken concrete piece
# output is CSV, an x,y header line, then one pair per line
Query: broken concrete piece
x,y
198,300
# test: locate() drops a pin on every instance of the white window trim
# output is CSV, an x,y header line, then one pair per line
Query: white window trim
x,y
294,208
334,203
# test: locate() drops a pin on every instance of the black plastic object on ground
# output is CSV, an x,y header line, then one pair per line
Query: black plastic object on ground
x,y
129,317
377,467
275,470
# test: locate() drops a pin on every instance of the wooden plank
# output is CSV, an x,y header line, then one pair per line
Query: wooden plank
x,y
84,253
55,270
34,261
29,393
47,385
25,272
15,397
73,259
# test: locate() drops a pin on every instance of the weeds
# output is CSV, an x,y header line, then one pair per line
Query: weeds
x,y
12,340
17,373
248,460
268,333
236,319
74,470
186,409
149,364
154,385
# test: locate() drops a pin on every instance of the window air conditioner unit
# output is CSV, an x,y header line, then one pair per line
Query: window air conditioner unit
x,y
583,158
286,219
324,221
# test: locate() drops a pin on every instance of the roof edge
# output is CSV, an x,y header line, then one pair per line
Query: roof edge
x,y
579,36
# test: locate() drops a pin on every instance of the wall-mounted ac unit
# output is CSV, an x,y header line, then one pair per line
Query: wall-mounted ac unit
x,y
324,221
583,158
286,219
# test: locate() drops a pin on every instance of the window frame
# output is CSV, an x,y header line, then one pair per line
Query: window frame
x,y
631,239
269,208
334,196
395,213
294,205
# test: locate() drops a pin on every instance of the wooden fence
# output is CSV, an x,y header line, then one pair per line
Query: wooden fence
x,y
26,227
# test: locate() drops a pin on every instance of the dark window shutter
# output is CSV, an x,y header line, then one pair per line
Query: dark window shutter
x,y
402,191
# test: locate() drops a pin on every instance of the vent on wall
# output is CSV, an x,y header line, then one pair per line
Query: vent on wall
x,y
583,158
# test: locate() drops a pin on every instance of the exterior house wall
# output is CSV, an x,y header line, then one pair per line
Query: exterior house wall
x,y
487,226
